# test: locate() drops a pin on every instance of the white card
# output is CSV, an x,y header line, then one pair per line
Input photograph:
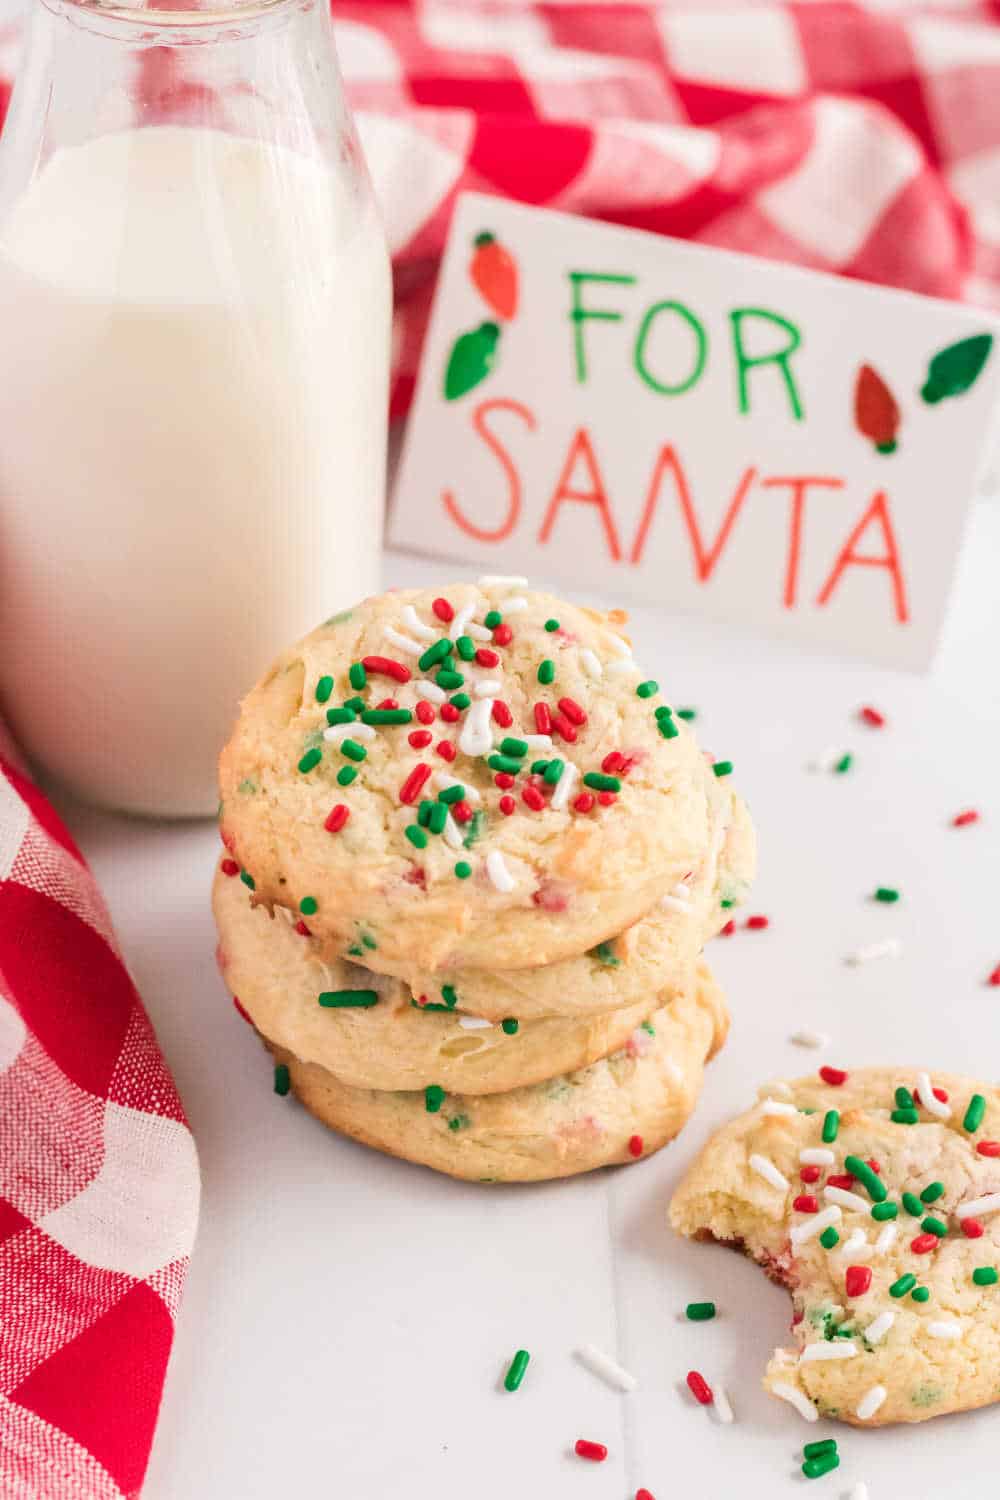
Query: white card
x,y
717,433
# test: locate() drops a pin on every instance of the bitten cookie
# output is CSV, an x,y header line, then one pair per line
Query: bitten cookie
x,y
368,1032
628,1105
874,1197
480,779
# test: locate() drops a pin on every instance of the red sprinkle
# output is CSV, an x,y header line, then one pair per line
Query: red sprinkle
x,y
805,1203
596,1452
972,1229
449,713
876,1166
963,819
757,924
387,667
336,819
420,738
644,1495
533,797
425,712
241,1012
487,658
543,718
994,978
302,929
635,1145
857,1280
612,762
606,798
461,812
941,1094
728,930
501,713
387,703
988,1148
507,805
572,710
809,1174
503,635
700,1388
443,610
872,716
411,788
446,750
840,1180
923,1243
561,725
229,867
584,802
834,1076
504,780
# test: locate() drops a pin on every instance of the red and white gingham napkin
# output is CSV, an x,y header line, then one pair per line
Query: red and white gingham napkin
x,y
98,1178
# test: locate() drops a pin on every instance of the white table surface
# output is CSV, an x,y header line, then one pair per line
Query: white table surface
x,y
348,1317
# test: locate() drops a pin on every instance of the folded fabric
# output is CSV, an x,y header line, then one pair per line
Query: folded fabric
x,y
99,1178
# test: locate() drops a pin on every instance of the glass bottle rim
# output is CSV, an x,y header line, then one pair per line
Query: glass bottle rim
x,y
174,16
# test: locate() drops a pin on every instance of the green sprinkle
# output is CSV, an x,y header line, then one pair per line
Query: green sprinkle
x,y
448,679
887,894
308,906
913,1205
459,1122
905,1284
863,1172
518,1365
512,746
387,716
815,1468
461,701
647,689
310,760
340,716
282,1079
248,880
435,654
247,787
368,940
975,1112
829,1238
348,999
437,817
466,648
353,750
663,711
508,763
551,625
687,713
667,728
882,1211
451,794
647,1026
475,825
357,705
605,953
546,672
434,1097
509,1026
449,995
539,767
598,782
726,904
905,1117
831,1124
932,1192
416,836
723,768
492,618
346,775
357,676
816,1450
931,1225
323,689
844,763
904,1099
553,771
700,1312
986,1276
424,811
921,1294
462,870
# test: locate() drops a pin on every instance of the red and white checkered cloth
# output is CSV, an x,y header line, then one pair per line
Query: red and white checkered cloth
x,y
98,1178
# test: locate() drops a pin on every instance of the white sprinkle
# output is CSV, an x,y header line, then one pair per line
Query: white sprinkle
x,y
564,787
825,760
886,1239
828,1349
619,668
619,647
764,1167
944,1330
474,1023
814,1225
879,1327
492,688
402,642
795,1398
430,691
987,1205
338,732
537,741
591,662
781,1087
462,618
417,625
672,903
777,1107
443,780
846,1199
478,632
476,737
870,1402
498,872
607,1368
681,891
810,1038
928,1098
859,1492
502,581
514,604
723,1409
452,836
856,1246
888,948
816,1156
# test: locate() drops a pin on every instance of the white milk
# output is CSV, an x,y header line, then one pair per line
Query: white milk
x,y
192,445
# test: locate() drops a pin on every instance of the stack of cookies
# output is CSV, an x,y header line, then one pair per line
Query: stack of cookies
x,y
472,858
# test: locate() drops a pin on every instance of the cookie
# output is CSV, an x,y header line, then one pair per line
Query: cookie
x,y
388,1041
874,1197
627,1105
479,778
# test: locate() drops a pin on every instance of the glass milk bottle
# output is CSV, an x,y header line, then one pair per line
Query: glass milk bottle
x,y
195,303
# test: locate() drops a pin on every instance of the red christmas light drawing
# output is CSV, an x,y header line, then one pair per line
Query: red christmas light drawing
x,y
876,414
494,274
